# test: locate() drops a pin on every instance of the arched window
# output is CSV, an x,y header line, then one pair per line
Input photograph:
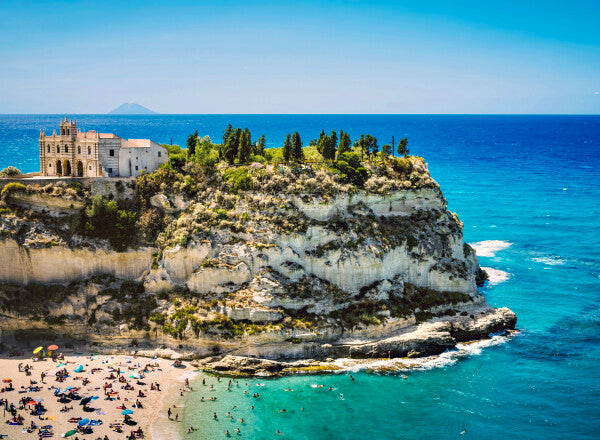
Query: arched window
x,y
57,149
66,149
78,149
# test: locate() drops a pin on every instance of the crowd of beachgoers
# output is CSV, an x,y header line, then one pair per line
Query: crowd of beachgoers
x,y
49,394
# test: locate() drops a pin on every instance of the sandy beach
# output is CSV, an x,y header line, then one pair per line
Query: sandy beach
x,y
109,384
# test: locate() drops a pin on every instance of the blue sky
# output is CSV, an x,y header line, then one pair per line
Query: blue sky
x,y
413,56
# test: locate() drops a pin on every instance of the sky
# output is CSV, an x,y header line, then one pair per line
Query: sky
x,y
223,56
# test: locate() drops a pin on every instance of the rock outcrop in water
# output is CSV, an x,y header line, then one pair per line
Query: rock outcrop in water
x,y
295,264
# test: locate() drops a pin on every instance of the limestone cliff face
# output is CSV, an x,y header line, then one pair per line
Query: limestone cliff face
x,y
426,250
60,264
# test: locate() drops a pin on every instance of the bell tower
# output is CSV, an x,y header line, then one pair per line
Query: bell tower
x,y
68,129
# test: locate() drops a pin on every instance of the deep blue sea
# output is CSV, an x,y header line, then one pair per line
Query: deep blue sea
x,y
528,191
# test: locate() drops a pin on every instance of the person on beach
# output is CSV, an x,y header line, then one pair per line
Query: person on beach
x,y
169,413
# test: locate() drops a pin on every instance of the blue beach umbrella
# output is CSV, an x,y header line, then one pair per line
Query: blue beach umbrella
x,y
84,422
126,412
69,388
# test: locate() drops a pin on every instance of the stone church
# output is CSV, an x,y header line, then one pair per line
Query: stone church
x,y
71,152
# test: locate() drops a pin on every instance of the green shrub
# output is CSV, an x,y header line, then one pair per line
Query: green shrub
x,y
238,179
351,170
105,220
12,188
10,172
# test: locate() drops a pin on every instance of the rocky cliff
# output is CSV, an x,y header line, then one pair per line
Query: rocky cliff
x,y
295,264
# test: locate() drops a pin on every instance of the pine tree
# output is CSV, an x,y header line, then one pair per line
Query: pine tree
x,y
287,148
334,139
402,147
386,150
297,153
245,148
192,141
260,146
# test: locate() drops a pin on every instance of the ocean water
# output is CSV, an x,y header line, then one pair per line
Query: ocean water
x,y
528,191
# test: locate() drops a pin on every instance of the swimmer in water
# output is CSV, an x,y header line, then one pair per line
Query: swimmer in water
x,y
227,433
341,397
279,432
282,410
215,416
330,389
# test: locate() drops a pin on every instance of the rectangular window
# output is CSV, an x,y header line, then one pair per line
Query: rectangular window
x,y
110,170
136,167
111,152
159,154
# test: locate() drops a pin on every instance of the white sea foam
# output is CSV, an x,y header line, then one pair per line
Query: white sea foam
x,y
550,261
488,248
496,276
449,357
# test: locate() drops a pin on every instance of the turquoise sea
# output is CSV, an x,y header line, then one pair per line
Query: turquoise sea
x,y
528,191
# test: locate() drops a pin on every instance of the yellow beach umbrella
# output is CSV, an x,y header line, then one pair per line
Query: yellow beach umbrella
x,y
37,350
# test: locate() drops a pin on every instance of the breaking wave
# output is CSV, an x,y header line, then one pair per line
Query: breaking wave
x,y
488,248
496,276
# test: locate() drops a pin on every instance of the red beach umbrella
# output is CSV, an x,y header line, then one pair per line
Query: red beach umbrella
x,y
53,347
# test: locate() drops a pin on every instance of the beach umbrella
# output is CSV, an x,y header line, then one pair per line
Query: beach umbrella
x,y
84,422
79,369
126,412
69,388
70,433
37,350
52,347
6,380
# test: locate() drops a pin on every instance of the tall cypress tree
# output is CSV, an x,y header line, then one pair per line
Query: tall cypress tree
x,y
344,144
297,153
245,148
226,133
260,146
230,148
287,148
320,142
329,148
334,140
192,141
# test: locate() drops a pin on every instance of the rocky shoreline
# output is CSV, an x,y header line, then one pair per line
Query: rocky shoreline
x,y
430,338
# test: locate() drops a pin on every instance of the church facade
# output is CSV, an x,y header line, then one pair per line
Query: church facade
x,y
73,153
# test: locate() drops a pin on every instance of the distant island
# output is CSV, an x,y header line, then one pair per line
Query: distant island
x,y
131,108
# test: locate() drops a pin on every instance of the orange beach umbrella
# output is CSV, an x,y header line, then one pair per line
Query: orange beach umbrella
x,y
52,347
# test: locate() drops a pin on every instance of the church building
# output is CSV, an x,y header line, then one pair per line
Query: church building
x,y
71,152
